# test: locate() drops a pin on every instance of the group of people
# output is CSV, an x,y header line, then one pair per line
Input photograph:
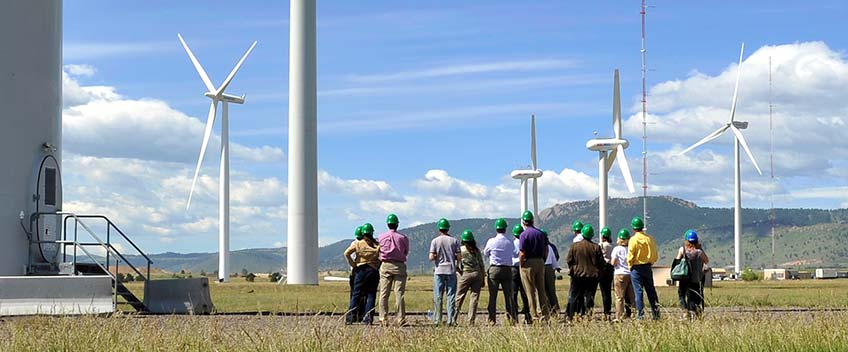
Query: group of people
x,y
522,267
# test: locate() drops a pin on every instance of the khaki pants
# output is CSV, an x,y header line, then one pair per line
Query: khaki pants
x,y
533,279
392,277
472,281
624,296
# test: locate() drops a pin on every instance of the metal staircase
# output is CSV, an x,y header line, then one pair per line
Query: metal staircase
x,y
77,257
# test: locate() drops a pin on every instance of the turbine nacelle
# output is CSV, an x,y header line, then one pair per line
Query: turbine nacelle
x,y
227,98
525,174
606,144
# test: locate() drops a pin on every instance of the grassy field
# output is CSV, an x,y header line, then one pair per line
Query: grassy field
x,y
241,296
721,329
765,332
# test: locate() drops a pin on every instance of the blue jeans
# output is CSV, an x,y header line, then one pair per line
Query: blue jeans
x,y
444,283
642,278
365,280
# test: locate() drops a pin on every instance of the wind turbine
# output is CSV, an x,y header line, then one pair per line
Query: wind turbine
x,y
533,173
735,127
218,95
608,150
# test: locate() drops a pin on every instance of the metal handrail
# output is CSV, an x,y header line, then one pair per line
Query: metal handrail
x,y
107,246
112,224
109,225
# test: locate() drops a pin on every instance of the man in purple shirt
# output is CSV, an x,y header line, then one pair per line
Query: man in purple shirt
x,y
533,251
394,247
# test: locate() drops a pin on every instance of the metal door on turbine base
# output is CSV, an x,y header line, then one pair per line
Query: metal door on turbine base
x,y
46,198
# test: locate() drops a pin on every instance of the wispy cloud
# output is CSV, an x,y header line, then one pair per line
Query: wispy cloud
x,y
89,50
469,86
465,69
404,120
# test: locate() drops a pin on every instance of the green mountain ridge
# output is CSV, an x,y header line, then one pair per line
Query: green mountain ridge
x,y
804,237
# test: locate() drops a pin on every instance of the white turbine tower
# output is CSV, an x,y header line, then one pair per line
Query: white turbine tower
x,y
609,150
218,95
735,127
534,173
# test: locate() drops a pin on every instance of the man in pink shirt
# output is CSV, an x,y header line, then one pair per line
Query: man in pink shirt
x,y
394,248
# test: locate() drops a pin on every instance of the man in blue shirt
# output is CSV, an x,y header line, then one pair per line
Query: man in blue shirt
x,y
533,251
499,250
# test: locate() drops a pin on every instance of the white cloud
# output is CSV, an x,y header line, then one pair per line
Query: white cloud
x,y
356,187
80,70
465,69
439,181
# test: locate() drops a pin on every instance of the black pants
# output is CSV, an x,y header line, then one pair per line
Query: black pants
x,y
691,296
360,307
366,280
581,296
605,284
518,289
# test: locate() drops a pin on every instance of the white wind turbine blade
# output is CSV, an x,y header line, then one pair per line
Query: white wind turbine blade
x,y
533,141
535,196
744,144
611,158
210,122
708,138
616,107
625,168
533,162
200,70
736,89
235,69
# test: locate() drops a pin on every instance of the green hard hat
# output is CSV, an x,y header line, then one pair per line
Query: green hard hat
x,y
392,219
623,234
527,215
587,231
637,223
467,236
444,224
517,230
367,228
606,232
358,233
576,226
544,232
500,224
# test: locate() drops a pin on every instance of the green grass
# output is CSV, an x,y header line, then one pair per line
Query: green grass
x,y
241,296
797,332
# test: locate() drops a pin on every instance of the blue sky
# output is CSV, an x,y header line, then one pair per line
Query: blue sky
x,y
424,106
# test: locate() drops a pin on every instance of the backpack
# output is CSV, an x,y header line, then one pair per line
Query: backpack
x,y
680,271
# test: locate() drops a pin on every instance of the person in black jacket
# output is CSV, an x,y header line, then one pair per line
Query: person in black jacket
x,y
585,262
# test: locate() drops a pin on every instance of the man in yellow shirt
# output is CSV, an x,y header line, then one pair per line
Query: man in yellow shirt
x,y
641,256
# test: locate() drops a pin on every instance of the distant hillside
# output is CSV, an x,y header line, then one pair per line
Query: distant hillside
x,y
805,237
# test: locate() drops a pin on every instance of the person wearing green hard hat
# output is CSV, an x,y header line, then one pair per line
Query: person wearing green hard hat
x,y
606,278
576,226
394,250
642,254
366,266
516,277
585,262
624,296
357,235
690,290
499,249
445,255
532,252
472,276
